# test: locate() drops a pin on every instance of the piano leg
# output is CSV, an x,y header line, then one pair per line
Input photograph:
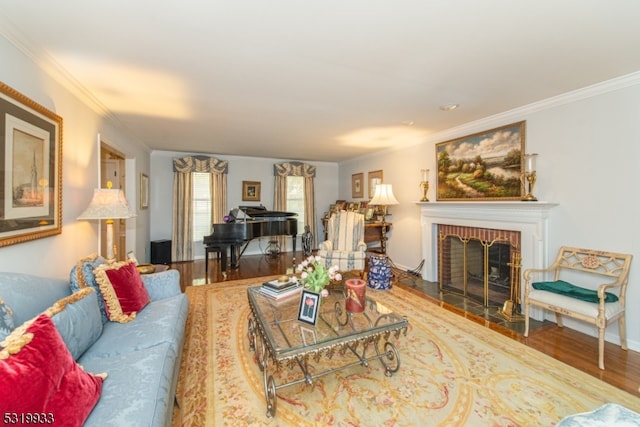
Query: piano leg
x,y
234,255
223,261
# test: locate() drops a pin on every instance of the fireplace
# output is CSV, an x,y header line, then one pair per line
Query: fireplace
x,y
479,263
529,219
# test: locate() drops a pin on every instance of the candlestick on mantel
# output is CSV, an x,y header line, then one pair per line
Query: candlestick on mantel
x,y
529,176
424,184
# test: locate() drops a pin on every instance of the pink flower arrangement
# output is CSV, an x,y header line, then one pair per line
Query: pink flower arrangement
x,y
315,276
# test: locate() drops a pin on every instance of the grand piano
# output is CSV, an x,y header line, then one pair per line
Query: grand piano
x,y
246,224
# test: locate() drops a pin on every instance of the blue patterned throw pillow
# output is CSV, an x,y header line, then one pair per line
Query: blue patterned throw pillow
x,y
6,320
82,276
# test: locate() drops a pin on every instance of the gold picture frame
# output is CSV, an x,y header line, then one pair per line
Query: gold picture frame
x,y
357,185
489,167
144,191
251,191
374,178
32,169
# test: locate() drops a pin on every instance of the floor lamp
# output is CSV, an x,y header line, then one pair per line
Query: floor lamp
x,y
108,204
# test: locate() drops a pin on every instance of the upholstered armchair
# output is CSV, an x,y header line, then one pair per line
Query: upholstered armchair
x,y
345,246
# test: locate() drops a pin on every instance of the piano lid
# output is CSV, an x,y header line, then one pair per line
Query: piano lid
x,y
262,212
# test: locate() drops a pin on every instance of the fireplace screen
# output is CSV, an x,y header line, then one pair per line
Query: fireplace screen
x,y
481,264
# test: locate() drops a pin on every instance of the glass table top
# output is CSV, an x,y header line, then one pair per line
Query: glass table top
x,y
286,336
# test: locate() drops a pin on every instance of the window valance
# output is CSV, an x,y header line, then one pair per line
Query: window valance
x,y
200,164
294,169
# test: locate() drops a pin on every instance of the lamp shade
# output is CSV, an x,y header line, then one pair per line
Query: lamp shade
x,y
107,203
383,196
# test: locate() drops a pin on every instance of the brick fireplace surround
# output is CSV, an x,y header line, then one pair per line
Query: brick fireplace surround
x,y
528,218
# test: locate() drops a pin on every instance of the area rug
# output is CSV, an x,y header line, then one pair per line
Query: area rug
x,y
453,372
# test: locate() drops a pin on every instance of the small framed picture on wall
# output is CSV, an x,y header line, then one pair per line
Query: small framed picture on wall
x,y
357,185
375,178
251,191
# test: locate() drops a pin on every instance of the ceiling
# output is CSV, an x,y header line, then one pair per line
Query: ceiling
x,y
319,80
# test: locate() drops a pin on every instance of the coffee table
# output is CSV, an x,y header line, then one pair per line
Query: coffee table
x,y
281,341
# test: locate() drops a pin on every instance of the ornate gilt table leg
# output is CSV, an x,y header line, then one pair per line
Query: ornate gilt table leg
x,y
270,395
257,344
251,334
392,362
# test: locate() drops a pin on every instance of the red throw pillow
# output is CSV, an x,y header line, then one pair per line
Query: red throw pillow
x,y
122,289
41,379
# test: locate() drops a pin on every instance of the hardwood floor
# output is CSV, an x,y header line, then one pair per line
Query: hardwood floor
x,y
567,345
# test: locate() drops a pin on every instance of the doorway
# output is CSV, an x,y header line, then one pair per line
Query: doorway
x,y
112,168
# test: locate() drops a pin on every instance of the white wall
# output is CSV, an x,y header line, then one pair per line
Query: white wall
x,y
589,146
55,256
240,169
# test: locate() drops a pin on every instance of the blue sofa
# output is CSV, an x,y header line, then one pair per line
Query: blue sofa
x,y
141,358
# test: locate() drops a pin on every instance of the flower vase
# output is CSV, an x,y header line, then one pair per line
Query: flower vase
x,y
355,295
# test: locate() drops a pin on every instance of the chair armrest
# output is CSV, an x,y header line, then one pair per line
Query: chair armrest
x,y
527,272
602,289
162,285
325,246
362,246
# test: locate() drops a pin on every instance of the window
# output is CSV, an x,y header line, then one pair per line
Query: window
x,y
201,205
295,199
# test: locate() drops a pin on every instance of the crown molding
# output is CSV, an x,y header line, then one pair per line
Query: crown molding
x,y
520,113
51,67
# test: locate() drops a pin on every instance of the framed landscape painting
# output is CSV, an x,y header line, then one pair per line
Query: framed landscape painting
x,y
483,166
31,169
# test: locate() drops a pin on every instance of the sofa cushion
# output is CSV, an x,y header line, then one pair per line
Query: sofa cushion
x,y
6,320
161,321
82,276
162,285
17,290
77,318
565,288
40,376
122,289
138,391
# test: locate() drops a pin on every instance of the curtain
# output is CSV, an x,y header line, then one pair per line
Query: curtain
x,y
281,171
182,230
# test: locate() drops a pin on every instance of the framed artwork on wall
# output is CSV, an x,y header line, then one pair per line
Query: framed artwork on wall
x,y
375,178
484,166
31,171
251,191
357,185
144,191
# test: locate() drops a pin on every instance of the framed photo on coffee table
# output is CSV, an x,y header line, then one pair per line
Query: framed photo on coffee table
x,y
309,304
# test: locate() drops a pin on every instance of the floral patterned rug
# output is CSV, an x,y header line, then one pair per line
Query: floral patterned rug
x,y
453,372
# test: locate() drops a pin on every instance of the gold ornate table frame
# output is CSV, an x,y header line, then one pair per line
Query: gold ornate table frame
x,y
281,341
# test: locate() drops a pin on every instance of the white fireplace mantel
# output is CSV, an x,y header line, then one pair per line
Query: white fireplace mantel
x,y
529,218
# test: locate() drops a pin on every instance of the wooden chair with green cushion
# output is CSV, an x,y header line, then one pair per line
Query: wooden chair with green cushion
x,y
588,285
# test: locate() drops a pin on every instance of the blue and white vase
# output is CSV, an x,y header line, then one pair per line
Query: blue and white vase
x,y
380,273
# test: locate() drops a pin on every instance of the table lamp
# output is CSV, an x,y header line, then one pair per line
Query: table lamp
x,y
108,204
383,197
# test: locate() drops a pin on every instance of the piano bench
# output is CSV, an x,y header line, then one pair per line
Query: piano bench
x,y
221,252
217,249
